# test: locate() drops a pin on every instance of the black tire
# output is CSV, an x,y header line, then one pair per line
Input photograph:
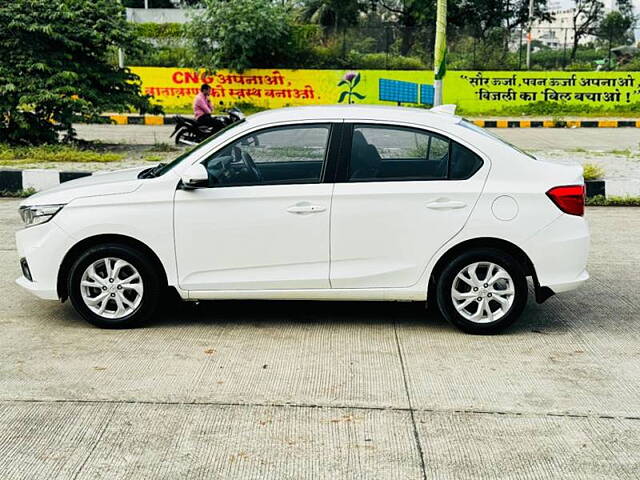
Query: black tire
x,y
498,257
153,286
179,136
185,137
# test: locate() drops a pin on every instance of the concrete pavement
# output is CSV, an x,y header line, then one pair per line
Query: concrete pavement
x,y
327,390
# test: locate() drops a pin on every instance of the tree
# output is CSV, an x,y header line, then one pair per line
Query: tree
x,y
615,28
159,3
332,14
585,19
479,18
482,16
54,67
410,14
240,34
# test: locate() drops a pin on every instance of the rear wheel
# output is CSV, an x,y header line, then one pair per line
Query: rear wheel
x,y
483,291
185,137
114,286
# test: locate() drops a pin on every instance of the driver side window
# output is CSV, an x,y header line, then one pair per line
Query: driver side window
x,y
279,155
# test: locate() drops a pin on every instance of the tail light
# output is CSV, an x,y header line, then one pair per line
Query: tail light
x,y
569,199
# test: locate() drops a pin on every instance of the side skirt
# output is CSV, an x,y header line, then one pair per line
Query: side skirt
x,y
348,294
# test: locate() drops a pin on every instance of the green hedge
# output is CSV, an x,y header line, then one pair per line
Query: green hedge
x,y
613,201
159,30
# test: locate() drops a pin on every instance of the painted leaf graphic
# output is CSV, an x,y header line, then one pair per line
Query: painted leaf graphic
x,y
342,96
356,80
342,82
358,96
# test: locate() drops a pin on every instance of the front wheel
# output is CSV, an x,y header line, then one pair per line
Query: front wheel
x,y
483,291
114,286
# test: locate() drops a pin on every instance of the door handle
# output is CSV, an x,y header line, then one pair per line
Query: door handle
x,y
446,205
302,209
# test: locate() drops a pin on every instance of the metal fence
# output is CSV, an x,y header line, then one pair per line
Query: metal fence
x,y
552,47
396,47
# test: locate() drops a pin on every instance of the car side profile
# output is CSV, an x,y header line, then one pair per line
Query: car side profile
x,y
322,203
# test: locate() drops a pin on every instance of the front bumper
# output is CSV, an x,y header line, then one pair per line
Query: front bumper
x,y
44,247
34,288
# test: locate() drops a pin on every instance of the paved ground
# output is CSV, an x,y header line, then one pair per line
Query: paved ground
x,y
251,390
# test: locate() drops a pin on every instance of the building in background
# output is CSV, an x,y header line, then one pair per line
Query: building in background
x,y
158,15
558,33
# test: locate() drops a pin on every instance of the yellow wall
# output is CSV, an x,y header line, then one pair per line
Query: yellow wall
x,y
473,91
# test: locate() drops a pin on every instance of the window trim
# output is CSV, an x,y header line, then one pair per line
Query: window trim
x,y
342,171
334,138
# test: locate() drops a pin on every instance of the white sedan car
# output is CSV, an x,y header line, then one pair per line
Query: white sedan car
x,y
324,203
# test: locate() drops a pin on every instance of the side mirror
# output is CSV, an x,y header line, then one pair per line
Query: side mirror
x,y
196,176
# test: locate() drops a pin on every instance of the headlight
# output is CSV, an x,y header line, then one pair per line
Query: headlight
x,y
38,214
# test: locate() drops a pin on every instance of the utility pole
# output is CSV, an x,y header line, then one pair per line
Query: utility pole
x,y
120,50
529,34
440,53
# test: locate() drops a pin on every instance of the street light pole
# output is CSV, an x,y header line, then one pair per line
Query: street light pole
x,y
439,54
529,34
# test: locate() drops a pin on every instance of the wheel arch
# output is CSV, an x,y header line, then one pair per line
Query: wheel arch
x,y
92,241
542,293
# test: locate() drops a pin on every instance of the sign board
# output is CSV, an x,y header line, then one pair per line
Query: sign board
x,y
475,92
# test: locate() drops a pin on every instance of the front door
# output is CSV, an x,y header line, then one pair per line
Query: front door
x,y
404,193
263,223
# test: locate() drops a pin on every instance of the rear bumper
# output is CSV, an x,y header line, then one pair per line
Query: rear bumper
x,y
570,285
559,253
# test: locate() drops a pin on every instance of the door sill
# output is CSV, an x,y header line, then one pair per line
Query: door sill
x,y
333,294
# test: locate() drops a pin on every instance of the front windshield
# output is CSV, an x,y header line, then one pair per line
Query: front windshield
x,y
487,133
165,168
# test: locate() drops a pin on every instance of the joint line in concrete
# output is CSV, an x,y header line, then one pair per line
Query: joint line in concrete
x,y
95,445
416,434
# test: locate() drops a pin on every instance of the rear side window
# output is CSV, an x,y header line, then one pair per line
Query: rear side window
x,y
388,153
464,163
385,153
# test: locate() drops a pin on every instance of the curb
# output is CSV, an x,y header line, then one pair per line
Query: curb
x,y
37,179
557,123
141,119
632,123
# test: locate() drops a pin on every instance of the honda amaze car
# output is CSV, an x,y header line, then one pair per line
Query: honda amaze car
x,y
322,203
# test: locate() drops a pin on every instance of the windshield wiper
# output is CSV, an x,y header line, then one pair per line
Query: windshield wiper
x,y
152,172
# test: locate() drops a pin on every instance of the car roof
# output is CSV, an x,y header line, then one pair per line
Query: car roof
x,y
355,112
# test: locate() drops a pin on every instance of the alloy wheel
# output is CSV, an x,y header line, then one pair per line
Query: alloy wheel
x,y
483,292
111,288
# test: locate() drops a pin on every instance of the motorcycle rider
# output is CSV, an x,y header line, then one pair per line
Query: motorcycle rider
x,y
202,109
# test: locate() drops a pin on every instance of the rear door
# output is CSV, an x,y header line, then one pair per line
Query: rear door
x,y
400,194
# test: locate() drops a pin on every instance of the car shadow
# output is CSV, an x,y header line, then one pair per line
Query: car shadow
x,y
536,318
175,313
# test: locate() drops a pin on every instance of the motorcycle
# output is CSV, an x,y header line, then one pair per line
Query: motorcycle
x,y
189,132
